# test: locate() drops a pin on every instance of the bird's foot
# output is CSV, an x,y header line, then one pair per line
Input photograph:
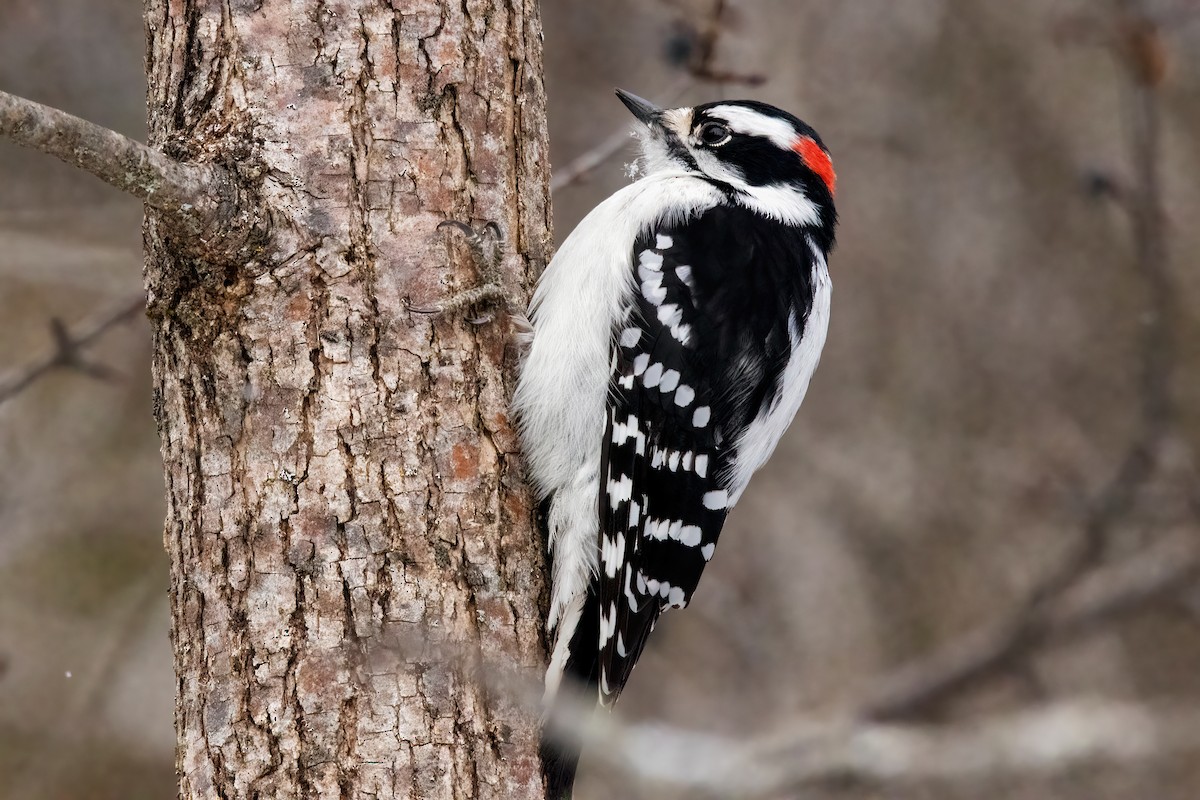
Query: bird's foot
x,y
487,249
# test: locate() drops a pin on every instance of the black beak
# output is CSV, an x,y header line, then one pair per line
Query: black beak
x,y
646,112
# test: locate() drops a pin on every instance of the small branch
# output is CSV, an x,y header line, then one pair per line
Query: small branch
x,y
1045,741
698,69
164,183
68,349
1161,571
200,199
708,36
582,165
1135,40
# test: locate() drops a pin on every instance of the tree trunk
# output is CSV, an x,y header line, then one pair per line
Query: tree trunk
x,y
345,506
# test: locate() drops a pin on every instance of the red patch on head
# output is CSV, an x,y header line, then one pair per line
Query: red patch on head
x,y
816,159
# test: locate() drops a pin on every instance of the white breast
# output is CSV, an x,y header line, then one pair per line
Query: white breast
x,y
561,395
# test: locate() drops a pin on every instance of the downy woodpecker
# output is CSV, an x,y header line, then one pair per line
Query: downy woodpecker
x,y
673,338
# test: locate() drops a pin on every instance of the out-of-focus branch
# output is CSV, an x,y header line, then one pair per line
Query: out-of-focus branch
x,y
699,67
864,741
579,167
707,36
68,349
1135,39
1159,573
201,200
1044,741
864,744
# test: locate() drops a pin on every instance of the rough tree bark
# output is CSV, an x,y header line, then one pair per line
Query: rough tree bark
x,y
340,471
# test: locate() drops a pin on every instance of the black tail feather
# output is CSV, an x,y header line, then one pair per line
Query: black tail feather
x,y
559,763
560,749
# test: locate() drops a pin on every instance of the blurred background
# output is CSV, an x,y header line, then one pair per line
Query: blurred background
x,y
1010,368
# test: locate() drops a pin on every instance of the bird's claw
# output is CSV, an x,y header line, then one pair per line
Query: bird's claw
x,y
488,265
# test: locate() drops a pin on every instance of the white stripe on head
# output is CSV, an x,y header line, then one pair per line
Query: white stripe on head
x,y
788,204
755,123
784,202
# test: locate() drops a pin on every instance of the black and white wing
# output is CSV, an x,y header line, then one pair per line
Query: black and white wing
x,y
662,506
701,366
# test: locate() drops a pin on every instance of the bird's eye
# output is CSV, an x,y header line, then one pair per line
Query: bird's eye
x,y
713,134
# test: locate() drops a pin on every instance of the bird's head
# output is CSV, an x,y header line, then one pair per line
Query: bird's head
x,y
765,158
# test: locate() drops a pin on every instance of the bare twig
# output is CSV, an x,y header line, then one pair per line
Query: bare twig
x,y
1162,571
163,182
702,64
68,349
1135,40
582,165
698,69
201,199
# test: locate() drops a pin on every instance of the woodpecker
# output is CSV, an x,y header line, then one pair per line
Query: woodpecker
x,y
673,337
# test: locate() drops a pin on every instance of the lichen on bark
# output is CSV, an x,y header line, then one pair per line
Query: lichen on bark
x,y
342,478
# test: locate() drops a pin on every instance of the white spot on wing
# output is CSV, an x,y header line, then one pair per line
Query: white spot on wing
x,y
700,416
663,242
702,465
716,500
640,363
630,337
624,431
675,597
670,379
628,595
651,260
684,395
689,535
654,292
652,376
612,553
707,551
608,624
619,491
670,315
